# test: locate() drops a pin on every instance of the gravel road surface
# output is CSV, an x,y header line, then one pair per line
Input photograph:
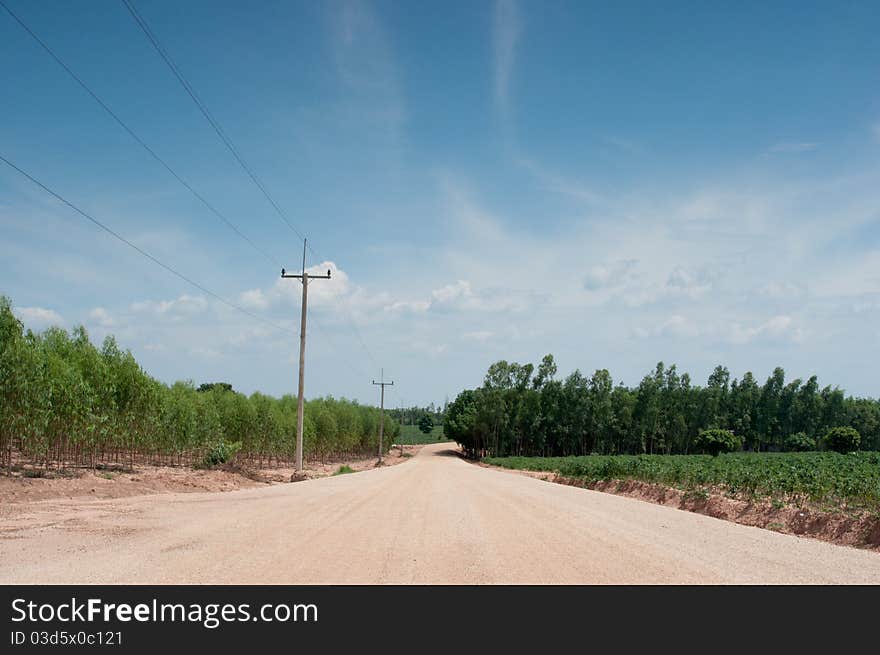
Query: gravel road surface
x,y
434,519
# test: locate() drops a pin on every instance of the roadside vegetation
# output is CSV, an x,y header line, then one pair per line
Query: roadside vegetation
x,y
413,435
829,479
522,410
419,425
64,402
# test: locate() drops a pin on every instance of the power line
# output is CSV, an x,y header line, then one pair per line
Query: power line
x,y
207,114
137,138
141,250
145,28
170,170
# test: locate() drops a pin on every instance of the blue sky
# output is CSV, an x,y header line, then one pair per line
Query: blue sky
x,y
615,185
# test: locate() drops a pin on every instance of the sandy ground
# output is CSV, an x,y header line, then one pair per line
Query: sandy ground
x,y
435,519
120,483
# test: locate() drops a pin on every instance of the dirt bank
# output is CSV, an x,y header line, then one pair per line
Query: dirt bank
x,y
121,482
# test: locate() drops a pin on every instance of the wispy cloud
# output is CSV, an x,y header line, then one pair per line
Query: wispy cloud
x,y
556,183
608,275
676,326
101,317
779,327
367,67
38,317
506,31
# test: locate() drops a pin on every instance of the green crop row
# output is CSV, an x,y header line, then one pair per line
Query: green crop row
x,y
851,480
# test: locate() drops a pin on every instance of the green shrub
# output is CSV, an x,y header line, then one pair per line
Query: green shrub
x,y
716,441
220,453
345,468
799,442
843,439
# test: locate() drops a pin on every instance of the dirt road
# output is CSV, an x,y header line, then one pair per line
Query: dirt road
x,y
434,519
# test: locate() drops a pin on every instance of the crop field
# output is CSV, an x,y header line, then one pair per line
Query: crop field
x,y
841,481
412,435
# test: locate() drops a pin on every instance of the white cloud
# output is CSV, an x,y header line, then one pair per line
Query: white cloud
x,y
678,326
675,326
690,282
781,290
287,292
609,275
101,317
184,305
39,317
777,327
409,306
461,297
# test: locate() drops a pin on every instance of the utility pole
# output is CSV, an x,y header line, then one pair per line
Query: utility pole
x,y
382,384
400,404
305,277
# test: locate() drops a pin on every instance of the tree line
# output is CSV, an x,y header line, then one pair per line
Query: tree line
x,y
524,410
65,402
416,415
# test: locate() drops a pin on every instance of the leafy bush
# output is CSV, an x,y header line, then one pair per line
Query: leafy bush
x,y
799,442
426,424
342,470
716,441
220,453
843,439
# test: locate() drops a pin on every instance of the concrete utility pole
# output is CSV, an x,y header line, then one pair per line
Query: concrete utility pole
x,y
400,404
382,384
305,277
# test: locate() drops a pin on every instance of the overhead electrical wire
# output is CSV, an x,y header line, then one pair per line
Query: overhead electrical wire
x,y
151,37
138,139
207,114
140,250
191,92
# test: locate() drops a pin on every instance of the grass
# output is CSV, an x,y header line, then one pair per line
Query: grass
x,y
342,470
411,435
841,481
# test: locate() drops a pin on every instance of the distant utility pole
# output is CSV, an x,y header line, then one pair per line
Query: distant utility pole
x,y
400,404
382,384
305,277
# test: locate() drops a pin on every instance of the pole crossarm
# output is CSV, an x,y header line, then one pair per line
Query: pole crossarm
x,y
308,275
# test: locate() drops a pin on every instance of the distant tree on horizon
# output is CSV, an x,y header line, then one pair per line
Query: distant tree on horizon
x,y
210,386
